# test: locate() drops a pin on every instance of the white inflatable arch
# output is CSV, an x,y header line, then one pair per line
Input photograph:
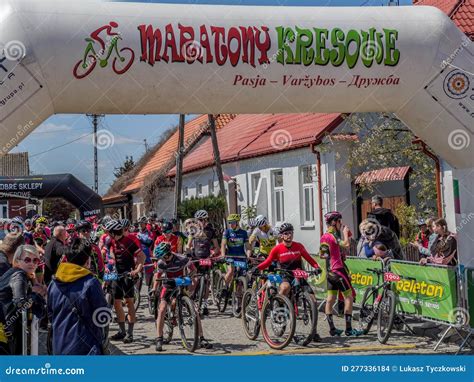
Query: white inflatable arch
x,y
131,58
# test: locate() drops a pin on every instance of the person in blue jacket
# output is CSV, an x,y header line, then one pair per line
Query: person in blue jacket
x,y
77,308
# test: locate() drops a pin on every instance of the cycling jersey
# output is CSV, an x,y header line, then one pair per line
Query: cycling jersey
x,y
267,240
125,251
203,241
172,239
289,258
235,242
173,268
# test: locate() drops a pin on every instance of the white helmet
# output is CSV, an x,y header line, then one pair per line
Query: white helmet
x,y
201,214
261,220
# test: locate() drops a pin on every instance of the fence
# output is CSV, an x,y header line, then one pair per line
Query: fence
x,y
410,252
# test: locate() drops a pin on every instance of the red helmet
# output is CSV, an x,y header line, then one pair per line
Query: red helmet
x,y
332,216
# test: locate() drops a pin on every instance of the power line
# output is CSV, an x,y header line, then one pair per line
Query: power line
x,y
64,144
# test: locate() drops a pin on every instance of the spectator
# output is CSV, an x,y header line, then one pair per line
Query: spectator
x,y
7,251
76,304
19,291
384,215
374,233
444,248
425,245
53,252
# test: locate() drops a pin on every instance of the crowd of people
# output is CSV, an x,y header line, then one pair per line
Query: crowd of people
x,y
57,270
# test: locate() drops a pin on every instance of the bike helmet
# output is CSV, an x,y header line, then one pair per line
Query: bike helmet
x,y
286,227
233,218
113,225
421,222
167,227
332,216
142,220
40,220
17,220
261,220
28,222
71,221
252,223
162,249
84,226
201,214
125,223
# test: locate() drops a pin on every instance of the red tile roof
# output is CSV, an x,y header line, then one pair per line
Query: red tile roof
x,y
460,11
114,198
383,175
193,130
464,17
252,135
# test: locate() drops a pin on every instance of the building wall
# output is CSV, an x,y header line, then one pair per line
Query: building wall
x,y
337,196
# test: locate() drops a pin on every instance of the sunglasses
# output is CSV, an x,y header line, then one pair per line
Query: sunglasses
x,y
287,233
28,260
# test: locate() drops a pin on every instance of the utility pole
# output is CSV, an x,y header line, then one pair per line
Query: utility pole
x,y
95,119
179,166
217,159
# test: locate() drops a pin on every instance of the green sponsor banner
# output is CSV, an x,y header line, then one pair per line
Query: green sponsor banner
x,y
470,294
361,277
428,292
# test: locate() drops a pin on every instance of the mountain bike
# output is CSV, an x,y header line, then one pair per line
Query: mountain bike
x,y
379,302
304,305
236,289
264,309
182,314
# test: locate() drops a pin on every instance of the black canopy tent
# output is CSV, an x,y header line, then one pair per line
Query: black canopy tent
x,y
65,186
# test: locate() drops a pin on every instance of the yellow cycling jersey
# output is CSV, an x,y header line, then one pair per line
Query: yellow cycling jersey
x,y
267,240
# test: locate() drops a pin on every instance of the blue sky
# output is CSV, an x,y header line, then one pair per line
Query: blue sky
x,y
63,143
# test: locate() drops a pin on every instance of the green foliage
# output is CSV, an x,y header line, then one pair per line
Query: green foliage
x,y
214,205
407,216
58,208
249,212
387,143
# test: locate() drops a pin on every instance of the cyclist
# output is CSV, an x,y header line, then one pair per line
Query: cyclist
x,y
251,225
200,244
125,253
169,237
264,235
289,255
84,229
332,245
234,246
171,265
145,238
176,231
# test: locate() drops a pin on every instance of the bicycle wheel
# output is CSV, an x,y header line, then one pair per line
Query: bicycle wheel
x,y
137,287
83,69
215,276
306,314
367,312
187,323
221,299
278,322
386,316
121,64
239,289
169,326
250,315
150,302
201,292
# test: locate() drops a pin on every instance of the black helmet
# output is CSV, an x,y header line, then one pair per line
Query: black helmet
x,y
84,226
286,227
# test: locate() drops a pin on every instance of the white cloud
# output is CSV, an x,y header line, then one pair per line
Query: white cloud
x,y
52,128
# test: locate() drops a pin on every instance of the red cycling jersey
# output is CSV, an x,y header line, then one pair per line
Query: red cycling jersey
x,y
289,258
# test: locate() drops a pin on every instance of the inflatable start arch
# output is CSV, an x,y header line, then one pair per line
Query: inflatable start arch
x,y
97,57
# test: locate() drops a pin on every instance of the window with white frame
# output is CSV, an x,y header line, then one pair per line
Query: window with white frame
x,y
307,192
211,187
198,189
278,196
255,178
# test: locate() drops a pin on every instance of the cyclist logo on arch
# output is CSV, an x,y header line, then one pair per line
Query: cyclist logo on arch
x,y
102,45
